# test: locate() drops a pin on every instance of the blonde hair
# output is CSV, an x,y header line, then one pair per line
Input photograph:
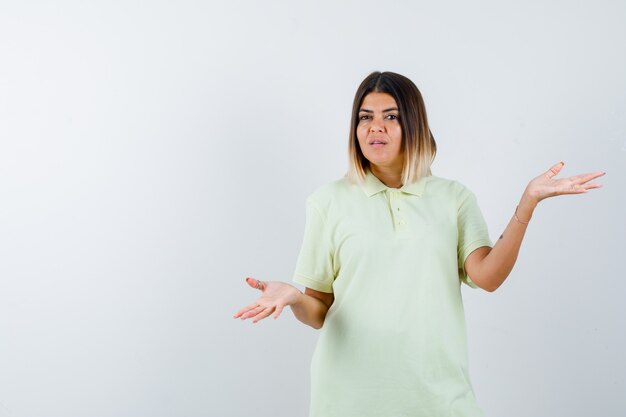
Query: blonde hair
x,y
417,140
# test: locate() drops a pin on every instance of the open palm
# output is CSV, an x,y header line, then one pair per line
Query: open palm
x,y
545,185
275,296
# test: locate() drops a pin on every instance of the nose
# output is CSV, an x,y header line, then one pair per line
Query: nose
x,y
377,125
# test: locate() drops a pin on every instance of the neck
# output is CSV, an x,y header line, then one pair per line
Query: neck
x,y
391,177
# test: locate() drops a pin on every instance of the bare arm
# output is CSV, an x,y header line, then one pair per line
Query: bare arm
x,y
489,267
312,306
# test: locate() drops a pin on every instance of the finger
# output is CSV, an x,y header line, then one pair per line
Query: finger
x,y
279,309
245,309
256,283
263,314
252,313
583,178
554,170
587,187
574,188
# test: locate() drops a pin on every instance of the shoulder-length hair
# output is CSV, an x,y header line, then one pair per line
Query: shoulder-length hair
x,y
417,140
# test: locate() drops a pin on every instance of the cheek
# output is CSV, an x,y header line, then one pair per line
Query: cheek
x,y
397,132
361,134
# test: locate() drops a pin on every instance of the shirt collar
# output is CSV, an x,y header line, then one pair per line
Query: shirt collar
x,y
372,185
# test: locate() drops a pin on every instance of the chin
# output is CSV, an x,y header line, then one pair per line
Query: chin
x,y
379,162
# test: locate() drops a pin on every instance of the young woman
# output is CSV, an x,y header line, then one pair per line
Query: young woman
x,y
384,253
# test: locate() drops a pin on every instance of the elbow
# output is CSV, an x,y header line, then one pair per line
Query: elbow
x,y
317,326
490,289
490,285
318,323
485,287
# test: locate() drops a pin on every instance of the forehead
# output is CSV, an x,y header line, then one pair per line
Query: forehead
x,y
378,101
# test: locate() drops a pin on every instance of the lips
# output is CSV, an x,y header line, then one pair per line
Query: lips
x,y
377,142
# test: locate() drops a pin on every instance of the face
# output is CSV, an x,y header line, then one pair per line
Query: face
x,y
379,131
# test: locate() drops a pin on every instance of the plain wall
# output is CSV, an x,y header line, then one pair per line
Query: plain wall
x,y
154,154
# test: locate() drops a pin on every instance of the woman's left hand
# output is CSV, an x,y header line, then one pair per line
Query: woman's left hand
x,y
545,185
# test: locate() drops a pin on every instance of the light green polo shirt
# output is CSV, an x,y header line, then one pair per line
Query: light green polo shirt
x,y
394,341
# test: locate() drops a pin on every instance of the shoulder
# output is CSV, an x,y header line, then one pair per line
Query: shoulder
x,y
449,187
333,193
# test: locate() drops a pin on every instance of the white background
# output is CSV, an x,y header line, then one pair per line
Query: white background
x,y
154,154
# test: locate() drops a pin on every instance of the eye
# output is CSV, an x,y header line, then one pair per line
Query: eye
x,y
363,117
392,117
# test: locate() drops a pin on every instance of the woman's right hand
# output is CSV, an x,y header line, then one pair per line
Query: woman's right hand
x,y
275,296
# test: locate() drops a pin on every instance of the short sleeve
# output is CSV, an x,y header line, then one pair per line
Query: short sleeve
x,y
472,231
314,267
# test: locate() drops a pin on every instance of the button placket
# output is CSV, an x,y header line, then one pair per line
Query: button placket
x,y
398,220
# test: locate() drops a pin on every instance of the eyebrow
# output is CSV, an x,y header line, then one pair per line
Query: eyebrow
x,y
384,111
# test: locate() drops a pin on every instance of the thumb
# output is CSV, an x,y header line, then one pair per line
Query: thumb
x,y
554,170
255,283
